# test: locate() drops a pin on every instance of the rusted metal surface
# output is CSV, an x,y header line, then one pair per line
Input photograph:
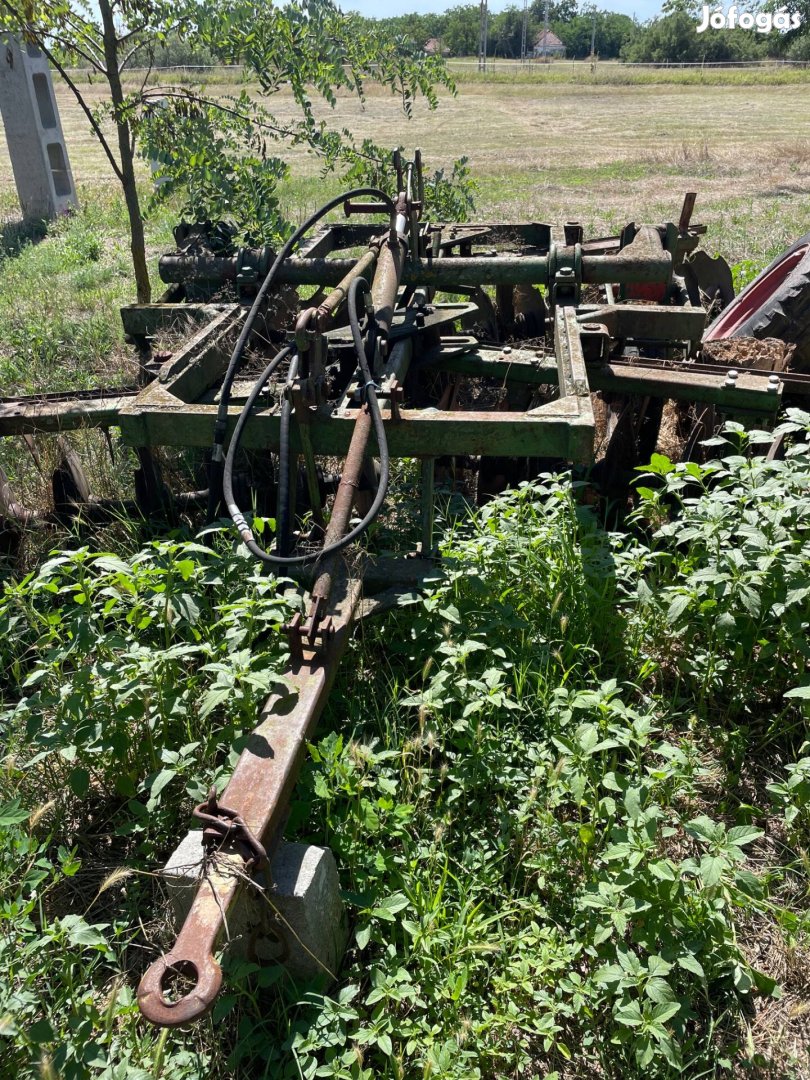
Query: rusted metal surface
x,y
62,412
647,322
556,429
143,320
12,509
386,282
200,361
687,210
258,792
339,522
327,310
224,823
192,957
246,822
746,392
475,270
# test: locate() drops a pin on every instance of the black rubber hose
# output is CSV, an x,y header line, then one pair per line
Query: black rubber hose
x,y
220,426
283,514
379,429
258,387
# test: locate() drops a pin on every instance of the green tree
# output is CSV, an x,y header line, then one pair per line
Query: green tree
x,y
221,145
505,32
795,44
417,28
674,39
691,8
610,32
462,29
560,12
669,39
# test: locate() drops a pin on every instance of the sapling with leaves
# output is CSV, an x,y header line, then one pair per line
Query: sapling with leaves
x,y
215,150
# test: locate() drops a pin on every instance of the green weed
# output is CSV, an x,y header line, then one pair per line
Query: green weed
x,y
542,876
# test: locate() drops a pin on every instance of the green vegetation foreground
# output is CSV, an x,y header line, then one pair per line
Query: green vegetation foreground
x,y
571,808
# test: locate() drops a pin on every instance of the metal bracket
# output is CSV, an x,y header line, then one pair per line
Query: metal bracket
x,y
564,275
315,631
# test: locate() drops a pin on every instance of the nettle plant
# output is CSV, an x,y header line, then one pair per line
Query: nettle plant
x,y
724,586
543,883
132,678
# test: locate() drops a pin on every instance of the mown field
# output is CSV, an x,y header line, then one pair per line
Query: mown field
x,y
598,152
602,153
568,788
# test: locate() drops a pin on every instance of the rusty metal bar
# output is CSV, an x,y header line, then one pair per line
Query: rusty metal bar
x,y
145,319
12,509
745,392
23,416
334,301
259,790
338,524
652,322
686,211
550,432
257,794
384,289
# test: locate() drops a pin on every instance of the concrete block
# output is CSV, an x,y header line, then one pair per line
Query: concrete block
x,y
299,921
36,144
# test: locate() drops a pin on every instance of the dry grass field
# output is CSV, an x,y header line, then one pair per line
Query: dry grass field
x,y
602,153
555,148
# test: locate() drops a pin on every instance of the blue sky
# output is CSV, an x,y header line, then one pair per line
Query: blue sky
x,y
642,9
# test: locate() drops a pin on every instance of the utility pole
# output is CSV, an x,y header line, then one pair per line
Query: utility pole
x,y
545,32
593,32
523,51
482,37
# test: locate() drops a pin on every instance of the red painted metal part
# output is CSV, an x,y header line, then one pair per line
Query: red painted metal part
x,y
751,299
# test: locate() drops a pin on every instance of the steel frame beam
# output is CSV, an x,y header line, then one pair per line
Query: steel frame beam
x,y
260,787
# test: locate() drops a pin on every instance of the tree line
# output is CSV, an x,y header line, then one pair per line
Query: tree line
x,y
672,37
458,29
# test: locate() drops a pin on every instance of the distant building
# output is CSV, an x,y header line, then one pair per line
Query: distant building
x,y
433,47
548,44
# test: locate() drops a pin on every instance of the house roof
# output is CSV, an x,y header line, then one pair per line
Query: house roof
x,y
547,38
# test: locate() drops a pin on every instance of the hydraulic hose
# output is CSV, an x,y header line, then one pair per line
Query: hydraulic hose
x,y
258,387
284,463
370,395
220,426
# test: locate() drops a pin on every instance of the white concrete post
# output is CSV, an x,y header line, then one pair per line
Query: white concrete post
x,y
34,136
299,922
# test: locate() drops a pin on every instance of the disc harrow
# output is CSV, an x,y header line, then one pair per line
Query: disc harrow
x,y
476,349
